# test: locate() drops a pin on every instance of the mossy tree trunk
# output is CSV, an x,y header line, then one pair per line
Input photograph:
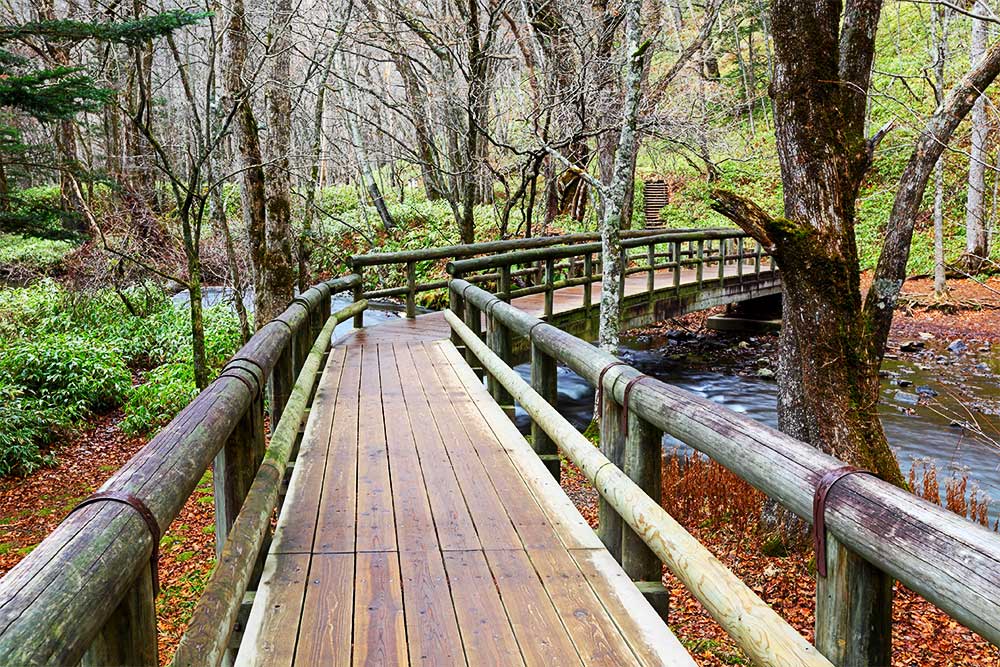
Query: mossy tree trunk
x,y
833,339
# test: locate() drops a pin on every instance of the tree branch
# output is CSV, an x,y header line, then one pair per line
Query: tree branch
x,y
751,218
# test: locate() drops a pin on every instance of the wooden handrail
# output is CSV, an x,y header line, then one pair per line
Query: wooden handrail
x,y
85,587
763,635
952,562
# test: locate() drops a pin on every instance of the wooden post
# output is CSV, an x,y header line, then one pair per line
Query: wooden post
x,y
676,249
853,610
588,289
623,258
456,304
739,260
505,283
359,294
643,459
757,258
722,260
474,320
498,338
411,290
129,635
701,261
302,341
549,279
544,380
235,467
280,384
651,276
613,447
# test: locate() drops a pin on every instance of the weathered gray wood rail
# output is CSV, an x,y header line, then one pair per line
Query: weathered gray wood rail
x,y
409,259
85,594
875,532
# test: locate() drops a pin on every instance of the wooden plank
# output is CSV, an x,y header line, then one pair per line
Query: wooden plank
x,y
488,512
379,632
297,525
431,627
415,524
455,529
483,623
595,636
376,528
274,618
325,630
537,628
335,525
562,515
651,641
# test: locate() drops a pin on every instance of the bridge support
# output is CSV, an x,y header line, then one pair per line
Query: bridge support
x,y
610,524
498,337
545,381
129,635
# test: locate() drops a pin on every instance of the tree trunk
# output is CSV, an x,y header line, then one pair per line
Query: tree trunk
x,y
615,192
279,276
975,227
305,236
939,30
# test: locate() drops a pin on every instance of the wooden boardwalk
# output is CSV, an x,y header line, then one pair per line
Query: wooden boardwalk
x,y
420,528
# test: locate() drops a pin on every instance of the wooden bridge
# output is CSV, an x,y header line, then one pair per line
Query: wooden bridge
x,y
413,524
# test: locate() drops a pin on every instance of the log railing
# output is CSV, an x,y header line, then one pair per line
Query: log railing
x,y
874,532
85,594
710,253
365,265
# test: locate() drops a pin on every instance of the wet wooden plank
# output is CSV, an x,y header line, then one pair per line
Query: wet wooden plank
x,y
483,623
335,526
414,521
455,529
325,630
540,633
595,636
297,526
274,618
376,529
431,626
379,632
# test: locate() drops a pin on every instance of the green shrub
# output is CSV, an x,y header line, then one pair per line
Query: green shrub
x,y
164,392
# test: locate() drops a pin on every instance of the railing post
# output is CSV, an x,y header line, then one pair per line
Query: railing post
x,y
643,461
498,338
757,258
234,470
853,609
456,304
129,635
549,279
739,259
610,524
505,287
279,386
359,294
544,380
676,250
651,276
411,290
473,320
588,289
623,261
701,261
722,260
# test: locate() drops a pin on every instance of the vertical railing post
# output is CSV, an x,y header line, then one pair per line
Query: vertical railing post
x,y
588,288
411,290
544,380
235,467
758,255
651,276
129,635
853,609
623,262
279,385
549,292
722,260
701,261
359,294
613,447
505,287
457,305
739,259
498,338
474,320
643,459
675,248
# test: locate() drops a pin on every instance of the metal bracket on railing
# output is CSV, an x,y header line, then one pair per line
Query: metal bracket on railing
x,y
139,506
258,388
600,386
826,483
628,389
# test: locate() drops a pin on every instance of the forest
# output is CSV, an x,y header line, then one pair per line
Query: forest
x,y
172,174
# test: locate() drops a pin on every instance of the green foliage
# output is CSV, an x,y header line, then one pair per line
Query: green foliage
x,y
32,253
132,32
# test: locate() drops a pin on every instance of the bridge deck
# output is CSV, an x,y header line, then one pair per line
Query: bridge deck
x,y
420,528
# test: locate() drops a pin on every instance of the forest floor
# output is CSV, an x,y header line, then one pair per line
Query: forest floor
x,y
31,507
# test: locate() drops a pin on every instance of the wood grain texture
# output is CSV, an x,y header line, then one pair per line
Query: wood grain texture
x,y
274,618
431,626
376,528
328,612
379,630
